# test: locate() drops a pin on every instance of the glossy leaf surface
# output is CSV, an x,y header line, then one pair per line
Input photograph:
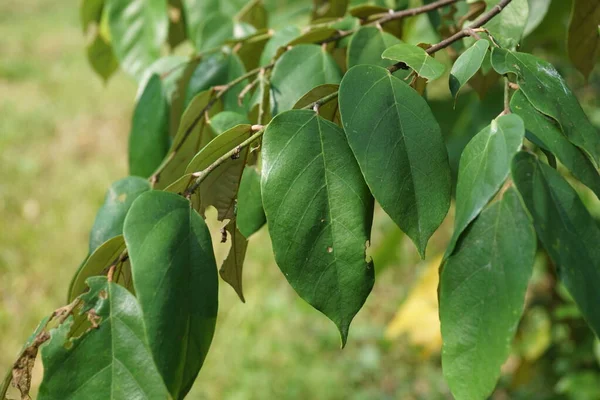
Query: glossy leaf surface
x,y
318,239
482,294
565,228
112,361
547,91
484,166
175,279
399,148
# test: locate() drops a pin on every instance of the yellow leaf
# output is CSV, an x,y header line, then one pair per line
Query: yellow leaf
x,y
418,316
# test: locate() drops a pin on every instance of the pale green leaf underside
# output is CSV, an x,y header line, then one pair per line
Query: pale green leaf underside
x,y
417,58
319,213
467,65
482,294
366,46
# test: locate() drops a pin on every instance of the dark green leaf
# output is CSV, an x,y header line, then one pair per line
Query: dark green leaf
x,y
196,11
484,166
537,11
110,217
250,212
566,229
399,148
175,279
255,14
329,110
584,38
298,71
149,137
545,131
177,29
482,291
417,58
319,213
548,93
467,65
367,44
138,29
279,39
329,8
101,58
231,270
508,26
111,361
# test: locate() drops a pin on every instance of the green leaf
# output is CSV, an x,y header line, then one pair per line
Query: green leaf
x,y
250,213
467,65
367,44
197,10
231,270
399,147
482,293
90,12
484,166
279,39
149,137
226,120
507,27
565,228
537,11
138,29
175,279
192,136
110,217
329,8
102,58
215,29
220,187
417,58
298,71
545,131
98,263
319,212
329,110
584,40
112,361
547,91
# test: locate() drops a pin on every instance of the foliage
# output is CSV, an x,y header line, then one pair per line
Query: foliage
x,y
302,130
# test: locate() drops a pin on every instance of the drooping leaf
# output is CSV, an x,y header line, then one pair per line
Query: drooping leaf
x,y
279,39
367,44
546,132
138,29
416,58
547,91
231,270
102,58
149,137
110,217
508,26
111,361
175,280
482,294
220,187
329,110
584,38
196,11
484,166
250,213
565,228
467,65
399,148
192,136
318,239
215,29
99,263
298,71
226,120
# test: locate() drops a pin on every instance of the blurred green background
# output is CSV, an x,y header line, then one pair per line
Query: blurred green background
x,y
63,138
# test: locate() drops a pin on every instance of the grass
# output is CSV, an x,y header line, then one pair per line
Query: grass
x,y
63,137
